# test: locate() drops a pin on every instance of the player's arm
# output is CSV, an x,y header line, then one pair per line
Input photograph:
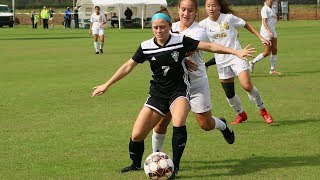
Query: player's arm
x,y
124,70
255,32
216,48
265,23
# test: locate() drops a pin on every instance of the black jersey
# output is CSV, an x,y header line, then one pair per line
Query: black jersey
x,y
168,70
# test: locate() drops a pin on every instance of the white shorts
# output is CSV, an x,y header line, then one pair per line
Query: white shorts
x,y
200,100
97,30
265,34
238,65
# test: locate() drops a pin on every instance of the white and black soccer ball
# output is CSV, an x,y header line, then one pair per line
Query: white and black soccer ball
x,y
158,165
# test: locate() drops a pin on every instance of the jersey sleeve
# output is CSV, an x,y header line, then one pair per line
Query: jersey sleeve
x,y
200,35
237,22
190,44
139,57
264,14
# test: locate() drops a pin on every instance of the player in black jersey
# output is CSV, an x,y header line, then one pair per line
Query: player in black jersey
x,y
168,88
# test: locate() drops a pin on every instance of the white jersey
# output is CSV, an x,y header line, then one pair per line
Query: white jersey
x,y
224,32
195,31
271,16
97,20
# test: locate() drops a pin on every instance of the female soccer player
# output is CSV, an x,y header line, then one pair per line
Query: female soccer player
x,y
221,27
169,89
200,100
268,31
97,21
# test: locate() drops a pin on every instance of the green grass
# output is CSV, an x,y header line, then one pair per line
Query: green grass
x,y
50,127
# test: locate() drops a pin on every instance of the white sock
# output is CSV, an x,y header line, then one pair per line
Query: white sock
x,y
96,46
101,45
273,61
219,124
235,103
258,58
157,141
254,96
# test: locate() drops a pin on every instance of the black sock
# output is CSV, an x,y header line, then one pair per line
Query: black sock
x,y
179,141
136,150
210,62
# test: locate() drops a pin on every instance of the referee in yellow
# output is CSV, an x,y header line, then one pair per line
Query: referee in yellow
x,y
45,17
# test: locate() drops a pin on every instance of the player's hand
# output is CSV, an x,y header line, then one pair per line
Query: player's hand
x,y
270,34
265,41
246,52
90,32
99,90
191,66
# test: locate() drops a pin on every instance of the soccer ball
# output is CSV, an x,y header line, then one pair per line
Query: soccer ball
x,y
158,165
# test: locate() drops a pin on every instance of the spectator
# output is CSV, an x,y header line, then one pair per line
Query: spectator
x,y
51,21
76,17
114,20
67,18
32,18
128,14
45,17
35,20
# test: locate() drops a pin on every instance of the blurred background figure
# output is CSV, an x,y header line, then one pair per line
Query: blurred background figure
x,y
128,13
45,17
114,20
51,20
32,18
76,17
67,18
35,20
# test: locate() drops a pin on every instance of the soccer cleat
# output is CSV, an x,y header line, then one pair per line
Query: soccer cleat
x,y
174,174
101,51
130,168
97,52
266,116
228,133
274,72
240,118
251,66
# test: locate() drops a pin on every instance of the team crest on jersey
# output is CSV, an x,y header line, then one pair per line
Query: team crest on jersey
x,y
175,56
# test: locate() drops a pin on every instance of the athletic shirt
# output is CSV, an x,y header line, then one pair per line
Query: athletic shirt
x,y
271,16
195,31
96,19
167,64
224,32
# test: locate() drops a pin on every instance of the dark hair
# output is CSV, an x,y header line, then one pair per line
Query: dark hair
x,y
195,2
97,7
164,10
225,7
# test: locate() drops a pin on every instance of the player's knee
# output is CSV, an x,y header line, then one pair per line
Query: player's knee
x,y
266,53
137,137
160,128
248,87
229,89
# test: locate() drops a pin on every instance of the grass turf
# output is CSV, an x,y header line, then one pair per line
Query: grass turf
x,y
51,128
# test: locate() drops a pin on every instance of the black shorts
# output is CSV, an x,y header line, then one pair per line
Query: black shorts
x,y
162,105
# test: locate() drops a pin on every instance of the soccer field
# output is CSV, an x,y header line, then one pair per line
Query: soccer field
x,y
51,128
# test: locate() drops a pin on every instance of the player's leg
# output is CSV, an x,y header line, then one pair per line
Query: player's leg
x,y
144,123
273,57
179,110
101,34
265,53
95,39
254,95
226,76
159,133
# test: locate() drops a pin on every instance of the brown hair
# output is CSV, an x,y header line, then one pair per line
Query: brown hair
x,y
195,2
164,10
225,7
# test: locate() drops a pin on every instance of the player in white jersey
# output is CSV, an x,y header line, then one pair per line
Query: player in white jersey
x,y
268,31
200,100
221,27
97,22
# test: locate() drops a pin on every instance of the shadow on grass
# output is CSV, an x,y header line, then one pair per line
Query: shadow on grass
x,y
258,75
46,38
237,167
